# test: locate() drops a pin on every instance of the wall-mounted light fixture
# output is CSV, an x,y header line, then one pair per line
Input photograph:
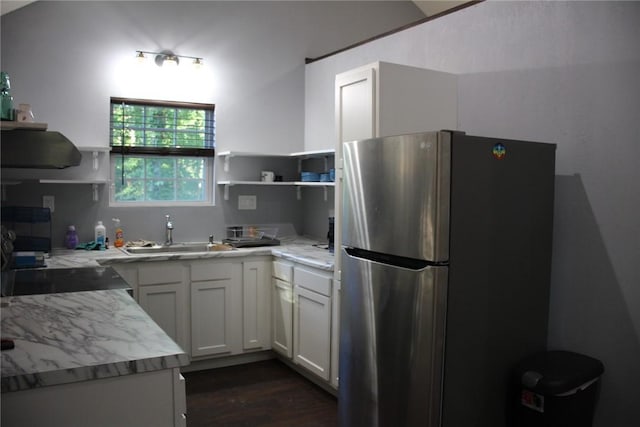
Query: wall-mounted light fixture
x,y
167,58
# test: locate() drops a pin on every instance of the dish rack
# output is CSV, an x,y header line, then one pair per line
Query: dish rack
x,y
244,233
32,227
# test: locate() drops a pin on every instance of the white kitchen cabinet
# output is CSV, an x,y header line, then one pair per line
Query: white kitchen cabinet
x,y
129,273
179,399
282,320
355,106
312,321
155,398
215,305
212,307
162,293
282,308
256,307
383,99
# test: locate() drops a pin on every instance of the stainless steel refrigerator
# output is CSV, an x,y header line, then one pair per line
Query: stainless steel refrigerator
x,y
446,252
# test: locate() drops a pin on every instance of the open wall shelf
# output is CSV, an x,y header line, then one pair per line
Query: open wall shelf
x,y
298,156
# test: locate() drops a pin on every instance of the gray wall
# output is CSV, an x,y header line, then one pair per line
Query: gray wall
x,y
67,58
567,73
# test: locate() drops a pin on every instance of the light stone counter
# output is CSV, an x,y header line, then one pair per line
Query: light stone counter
x,y
300,250
305,254
71,337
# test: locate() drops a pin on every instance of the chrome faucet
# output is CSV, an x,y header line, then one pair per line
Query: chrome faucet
x,y
168,231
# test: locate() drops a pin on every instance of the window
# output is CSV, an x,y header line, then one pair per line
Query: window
x,y
162,153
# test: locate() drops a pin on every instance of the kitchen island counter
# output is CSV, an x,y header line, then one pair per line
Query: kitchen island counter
x,y
74,337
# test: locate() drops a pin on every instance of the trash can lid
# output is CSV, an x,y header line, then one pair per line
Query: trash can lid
x,y
557,372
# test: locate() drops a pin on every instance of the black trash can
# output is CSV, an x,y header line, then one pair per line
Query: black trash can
x,y
557,389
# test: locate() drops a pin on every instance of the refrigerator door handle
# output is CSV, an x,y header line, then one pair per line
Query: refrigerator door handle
x,y
393,260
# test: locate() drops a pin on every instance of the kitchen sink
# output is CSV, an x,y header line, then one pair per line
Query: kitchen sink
x,y
179,247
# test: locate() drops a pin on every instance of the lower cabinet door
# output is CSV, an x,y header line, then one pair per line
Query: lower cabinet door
x,y
256,296
166,305
312,331
211,318
282,318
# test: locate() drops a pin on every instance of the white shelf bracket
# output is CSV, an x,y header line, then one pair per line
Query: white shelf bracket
x,y
325,193
299,165
299,193
94,188
326,165
226,164
226,191
96,162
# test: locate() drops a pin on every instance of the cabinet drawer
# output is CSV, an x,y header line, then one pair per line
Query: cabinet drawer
x,y
316,281
158,273
283,271
211,271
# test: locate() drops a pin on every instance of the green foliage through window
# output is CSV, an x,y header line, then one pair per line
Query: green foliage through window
x,y
162,150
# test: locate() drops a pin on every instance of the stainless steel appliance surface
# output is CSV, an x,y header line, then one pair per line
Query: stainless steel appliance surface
x,y
38,149
446,243
58,280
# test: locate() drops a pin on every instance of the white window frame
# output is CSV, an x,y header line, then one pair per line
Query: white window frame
x,y
209,181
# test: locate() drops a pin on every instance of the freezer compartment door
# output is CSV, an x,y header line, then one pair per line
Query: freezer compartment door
x,y
396,195
391,342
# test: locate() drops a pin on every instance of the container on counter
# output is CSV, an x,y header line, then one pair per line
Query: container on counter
x,y
119,233
309,176
100,234
24,113
71,238
6,100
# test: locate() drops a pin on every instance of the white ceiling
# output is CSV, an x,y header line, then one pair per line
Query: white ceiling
x,y
430,7
433,7
9,6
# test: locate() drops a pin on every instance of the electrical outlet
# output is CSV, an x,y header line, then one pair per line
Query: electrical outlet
x,y
49,202
247,202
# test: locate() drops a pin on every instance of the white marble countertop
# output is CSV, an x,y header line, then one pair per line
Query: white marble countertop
x,y
71,337
300,250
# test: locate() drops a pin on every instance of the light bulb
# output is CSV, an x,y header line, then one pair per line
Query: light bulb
x,y
141,58
170,61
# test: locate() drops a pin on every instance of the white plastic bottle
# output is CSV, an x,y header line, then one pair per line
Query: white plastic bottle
x,y
100,234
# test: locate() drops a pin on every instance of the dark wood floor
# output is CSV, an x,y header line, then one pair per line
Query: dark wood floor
x,y
264,393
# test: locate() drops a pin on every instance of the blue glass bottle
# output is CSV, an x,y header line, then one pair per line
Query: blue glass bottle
x,y
6,100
